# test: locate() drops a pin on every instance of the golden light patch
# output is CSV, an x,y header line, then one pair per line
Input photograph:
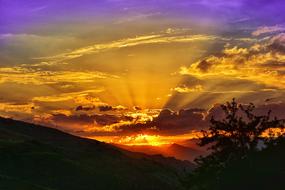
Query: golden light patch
x,y
241,63
147,139
22,75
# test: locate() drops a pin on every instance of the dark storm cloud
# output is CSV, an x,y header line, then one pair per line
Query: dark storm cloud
x,y
101,108
105,108
167,123
170,123
82,119
84,108
185,121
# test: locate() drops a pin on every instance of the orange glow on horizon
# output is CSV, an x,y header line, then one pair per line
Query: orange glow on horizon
x,y
159,140
146,139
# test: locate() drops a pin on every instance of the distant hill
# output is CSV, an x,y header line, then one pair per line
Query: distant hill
x,y
177,151
183,152
34,157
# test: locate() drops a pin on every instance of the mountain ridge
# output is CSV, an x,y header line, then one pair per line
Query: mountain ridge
x,y
177,151
46,158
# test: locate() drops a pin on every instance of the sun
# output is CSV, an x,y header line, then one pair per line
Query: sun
x,y
142,140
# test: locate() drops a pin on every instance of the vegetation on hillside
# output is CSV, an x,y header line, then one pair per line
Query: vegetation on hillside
x,y
39,158
242,156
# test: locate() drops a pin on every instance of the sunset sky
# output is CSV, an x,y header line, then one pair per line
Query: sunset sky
x,y
138,71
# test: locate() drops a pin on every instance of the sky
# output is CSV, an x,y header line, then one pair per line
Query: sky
x,y
138,72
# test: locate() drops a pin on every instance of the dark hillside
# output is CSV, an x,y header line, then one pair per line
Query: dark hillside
x,y
37,157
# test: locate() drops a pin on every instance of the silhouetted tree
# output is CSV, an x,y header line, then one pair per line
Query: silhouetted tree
x,y
232,138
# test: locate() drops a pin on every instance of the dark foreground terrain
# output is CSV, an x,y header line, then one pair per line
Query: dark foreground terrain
x,y
39,158
262,170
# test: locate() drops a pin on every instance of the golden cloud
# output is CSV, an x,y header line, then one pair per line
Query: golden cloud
x,y
166,37
267,29
81,97
23,75
185,89
260,63
21,108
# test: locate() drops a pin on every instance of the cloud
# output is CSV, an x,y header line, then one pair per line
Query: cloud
x,y
21,111
277,110
185,89
185,121
168,123
23,75
84,108
21,108
137,108
278,43
80,97
73,123
139,139
104,108
128,42
81,102
267,29
264,60
137,17
37,9
21,47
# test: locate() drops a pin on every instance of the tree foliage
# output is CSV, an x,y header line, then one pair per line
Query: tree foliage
x,y
239,134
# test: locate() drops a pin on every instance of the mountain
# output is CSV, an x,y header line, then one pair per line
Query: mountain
x,y
172,150
34,157
183,152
